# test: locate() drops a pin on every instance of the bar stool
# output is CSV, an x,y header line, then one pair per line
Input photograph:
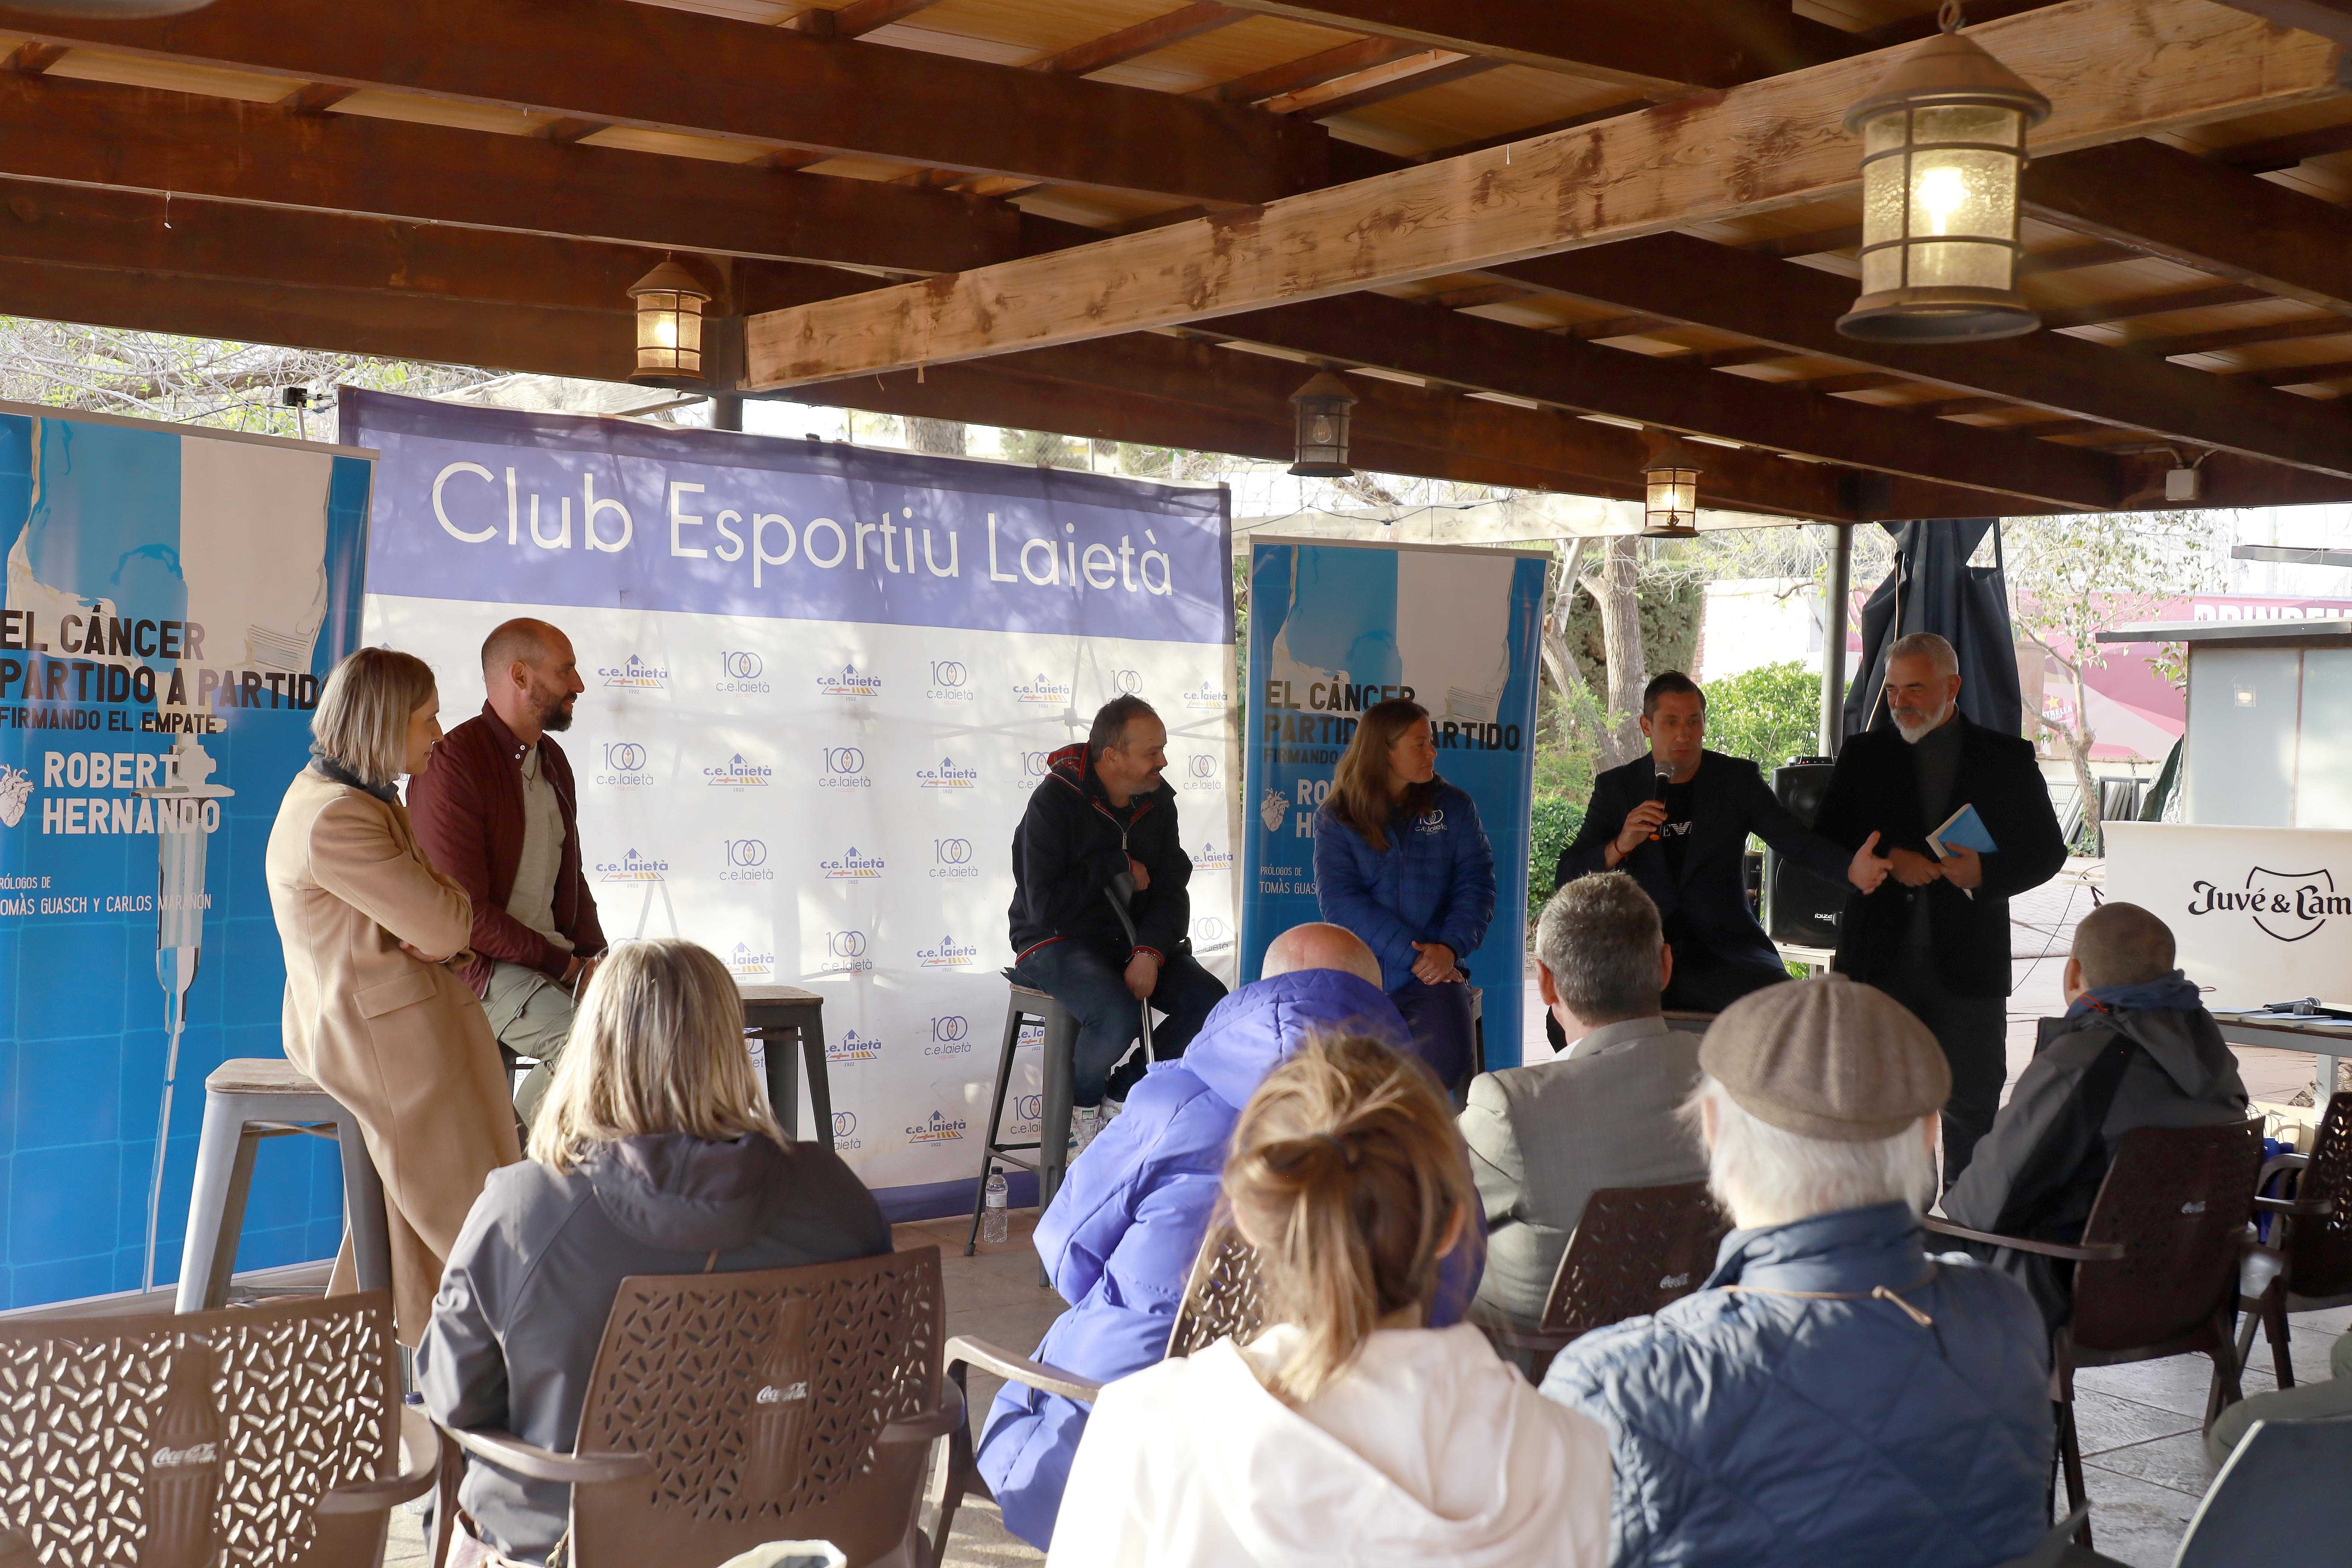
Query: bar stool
x,y
777,1016
246,1100
1060,1028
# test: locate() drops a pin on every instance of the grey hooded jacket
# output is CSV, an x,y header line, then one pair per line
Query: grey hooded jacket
x,y
2094,1077
523,1301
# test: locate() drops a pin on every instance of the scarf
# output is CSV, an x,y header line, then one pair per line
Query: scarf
x,y
2172,993
344,775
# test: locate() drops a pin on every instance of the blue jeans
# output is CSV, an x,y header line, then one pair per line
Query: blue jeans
x,y
1439,1017
1092,985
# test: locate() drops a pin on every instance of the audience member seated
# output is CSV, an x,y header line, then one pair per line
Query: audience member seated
x,y
1833,1396
1347,1433
653,1153
1119,1240
2303,1401
1543,1137
2136,1049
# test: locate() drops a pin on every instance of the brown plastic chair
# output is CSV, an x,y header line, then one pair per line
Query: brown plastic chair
x,y
2314,1249
270,1434
2157,1271
1635,1251
726,1411
1221,1300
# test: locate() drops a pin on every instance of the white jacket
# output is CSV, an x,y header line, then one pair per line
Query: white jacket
x,y
1427,1450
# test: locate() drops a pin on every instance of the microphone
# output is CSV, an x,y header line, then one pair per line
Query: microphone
x,y
1658,791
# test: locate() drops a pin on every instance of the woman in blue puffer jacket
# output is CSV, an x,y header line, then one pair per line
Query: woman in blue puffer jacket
x,y
1401,860
1120,1239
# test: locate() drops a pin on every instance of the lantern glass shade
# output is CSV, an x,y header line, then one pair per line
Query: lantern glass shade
x,y
1671,508
669,324
1943,144
1319,449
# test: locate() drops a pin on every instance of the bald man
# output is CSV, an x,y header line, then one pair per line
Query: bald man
x,y
2136,1048
1120,1238
496,809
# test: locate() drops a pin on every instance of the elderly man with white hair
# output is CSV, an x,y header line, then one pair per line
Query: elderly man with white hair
x,y
1834,1394
1933,934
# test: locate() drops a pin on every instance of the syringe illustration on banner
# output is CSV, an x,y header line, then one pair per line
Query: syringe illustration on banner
x,y
190,800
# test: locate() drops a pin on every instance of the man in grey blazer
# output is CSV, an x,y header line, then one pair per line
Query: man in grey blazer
x,y
1600,1113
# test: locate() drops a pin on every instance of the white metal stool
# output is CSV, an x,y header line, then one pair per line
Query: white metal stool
x,y
246,1100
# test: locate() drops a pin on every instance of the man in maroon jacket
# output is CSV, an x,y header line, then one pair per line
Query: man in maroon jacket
x,y
497,811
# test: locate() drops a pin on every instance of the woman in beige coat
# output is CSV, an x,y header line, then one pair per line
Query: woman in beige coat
x,y
374,1013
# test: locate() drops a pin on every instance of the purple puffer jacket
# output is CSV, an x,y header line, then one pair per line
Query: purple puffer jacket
x,y
1120,1239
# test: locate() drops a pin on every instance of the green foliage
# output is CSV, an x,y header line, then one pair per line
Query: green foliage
x,y
1554,821
1766,715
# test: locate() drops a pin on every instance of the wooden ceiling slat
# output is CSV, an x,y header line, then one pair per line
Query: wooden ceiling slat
x,y
2303,375
86,134
1796,308
1144,37
2241,337
1313,70
2274,154
621,63
1415,73
1653,45
2092,315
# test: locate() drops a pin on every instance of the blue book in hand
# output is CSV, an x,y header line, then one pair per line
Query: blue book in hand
x,y
1964,829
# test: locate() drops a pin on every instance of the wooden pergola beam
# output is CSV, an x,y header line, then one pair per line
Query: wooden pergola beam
x,y
617,62
1796,308
1401,429
1659,47
2328,18
1473,354
2217,220
2115,68
90,134
543,340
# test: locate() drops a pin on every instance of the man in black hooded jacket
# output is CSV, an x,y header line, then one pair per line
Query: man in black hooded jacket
x,y
1103,812
2136,1048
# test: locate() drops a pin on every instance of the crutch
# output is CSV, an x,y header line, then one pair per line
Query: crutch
x,y
1121,893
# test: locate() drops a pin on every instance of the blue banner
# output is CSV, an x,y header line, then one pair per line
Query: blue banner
x,y
175,598
1334,628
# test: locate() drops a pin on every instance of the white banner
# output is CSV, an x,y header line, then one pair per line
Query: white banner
x,y
2260,914
831,804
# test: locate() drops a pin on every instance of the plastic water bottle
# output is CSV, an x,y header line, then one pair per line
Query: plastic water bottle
x,y
993,1198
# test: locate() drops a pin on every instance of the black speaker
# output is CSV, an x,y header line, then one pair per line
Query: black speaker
x,y
1800,905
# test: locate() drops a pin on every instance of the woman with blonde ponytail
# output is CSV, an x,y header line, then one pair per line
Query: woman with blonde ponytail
x,y
1348,1432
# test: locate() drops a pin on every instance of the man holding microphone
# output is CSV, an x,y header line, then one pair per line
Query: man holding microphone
x,y
1677,821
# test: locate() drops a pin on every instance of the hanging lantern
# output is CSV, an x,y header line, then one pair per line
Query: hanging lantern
x,y
1943,141
1669,505
669,324
1319,449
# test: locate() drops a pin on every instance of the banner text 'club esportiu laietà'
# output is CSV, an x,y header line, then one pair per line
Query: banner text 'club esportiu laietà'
x,y
822,682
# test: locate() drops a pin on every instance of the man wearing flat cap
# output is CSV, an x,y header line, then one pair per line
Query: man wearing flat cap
x,y
1834,1394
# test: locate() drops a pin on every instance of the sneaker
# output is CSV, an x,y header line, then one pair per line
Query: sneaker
x,y
1086,1123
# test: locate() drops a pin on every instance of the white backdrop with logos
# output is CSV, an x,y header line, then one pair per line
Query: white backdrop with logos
x,y
830,803
2260,914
